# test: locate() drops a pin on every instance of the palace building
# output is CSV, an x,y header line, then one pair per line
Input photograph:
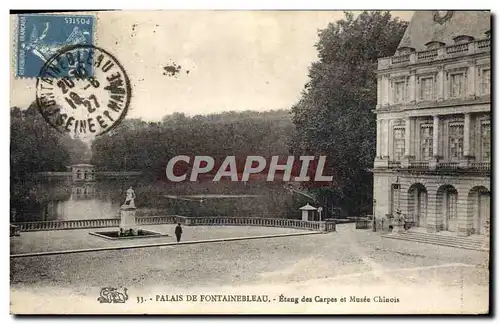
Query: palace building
x,y
434,125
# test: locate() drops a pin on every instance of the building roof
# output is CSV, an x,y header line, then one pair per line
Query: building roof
x,y
307,207
427,26
82,165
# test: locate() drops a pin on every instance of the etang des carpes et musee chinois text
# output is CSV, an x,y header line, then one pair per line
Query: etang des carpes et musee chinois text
x,y
266,298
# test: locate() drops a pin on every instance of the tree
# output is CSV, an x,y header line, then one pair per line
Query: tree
x,y
334,114
34,145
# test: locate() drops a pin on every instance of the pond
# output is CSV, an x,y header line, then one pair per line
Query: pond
x,y
60,198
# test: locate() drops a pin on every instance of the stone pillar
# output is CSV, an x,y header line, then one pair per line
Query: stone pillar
x,y
435,144
471,80
432,212
330,225
379,91
388,89
440,88
381,161
128,224
467,134
467,137
463,223
405,162
413,87
435,138
379,138
388,139
443,85
407,136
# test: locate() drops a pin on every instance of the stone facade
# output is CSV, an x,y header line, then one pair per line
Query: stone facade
x,y
433,127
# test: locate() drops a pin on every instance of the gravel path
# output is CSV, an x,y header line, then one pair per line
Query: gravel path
x,y
347,259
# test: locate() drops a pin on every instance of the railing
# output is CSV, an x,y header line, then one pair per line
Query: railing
x,y
327,225
485,166
419,164
484,43
427,55
54,174
255,221
118,173
62,225
460,48
448,165
156,220
479,46
400,59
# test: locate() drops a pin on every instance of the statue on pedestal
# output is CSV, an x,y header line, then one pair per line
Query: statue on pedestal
x,y
129,200
128,222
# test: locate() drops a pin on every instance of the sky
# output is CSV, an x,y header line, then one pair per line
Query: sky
x,y
237,60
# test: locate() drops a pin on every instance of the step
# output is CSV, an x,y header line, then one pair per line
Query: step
x,y
444,239
450,244
455,238
438,240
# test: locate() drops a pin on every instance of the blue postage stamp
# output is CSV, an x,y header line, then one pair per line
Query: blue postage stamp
x,y
40,37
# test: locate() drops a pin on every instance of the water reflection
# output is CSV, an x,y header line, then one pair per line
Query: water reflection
x,y
50,199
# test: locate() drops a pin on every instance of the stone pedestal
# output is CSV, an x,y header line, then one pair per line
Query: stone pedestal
x,y
331,225
406,161
434,163
381,163
128,223
466,162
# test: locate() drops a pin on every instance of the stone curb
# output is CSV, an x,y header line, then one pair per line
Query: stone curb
x,y
24,255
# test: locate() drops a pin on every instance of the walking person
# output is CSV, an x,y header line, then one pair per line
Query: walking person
x,y
178,232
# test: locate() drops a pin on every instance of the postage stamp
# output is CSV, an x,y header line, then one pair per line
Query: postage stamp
x,y
40,36
74,102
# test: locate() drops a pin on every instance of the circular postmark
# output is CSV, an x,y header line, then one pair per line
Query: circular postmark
x,y
83,90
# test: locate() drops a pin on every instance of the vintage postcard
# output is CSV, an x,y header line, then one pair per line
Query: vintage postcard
x,y
250,162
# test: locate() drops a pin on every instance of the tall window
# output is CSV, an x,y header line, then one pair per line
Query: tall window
x,y
427,88
485,141
456,141
457,85
426,137
399,143
485,81
399,91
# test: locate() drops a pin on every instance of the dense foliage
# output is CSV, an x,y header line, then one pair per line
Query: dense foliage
x,y
139,145
334,115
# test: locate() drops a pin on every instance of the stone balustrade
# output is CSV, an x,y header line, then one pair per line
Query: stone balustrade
x,y
427,55
328,225
419,164
479,46
449,165
483,166
443,165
